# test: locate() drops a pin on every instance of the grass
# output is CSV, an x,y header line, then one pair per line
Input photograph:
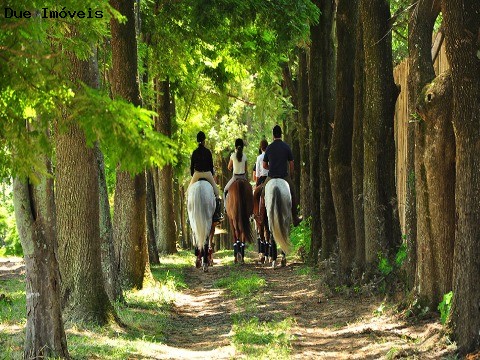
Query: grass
x,y
253,338
145,314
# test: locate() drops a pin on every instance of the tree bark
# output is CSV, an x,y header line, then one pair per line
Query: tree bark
x,y
166,239
151,216
35,217
436,211
303,166
78,220
327,209
421,72
357,149
462,36
321,109
340,160
130,193
109,264
382,227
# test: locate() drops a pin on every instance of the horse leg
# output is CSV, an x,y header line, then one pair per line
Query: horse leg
x,y
211,247
205,256
198,255
284,259
273,251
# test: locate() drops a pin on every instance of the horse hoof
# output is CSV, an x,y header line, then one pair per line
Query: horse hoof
x,y
273,264
284,262
205,268
239,259
198,264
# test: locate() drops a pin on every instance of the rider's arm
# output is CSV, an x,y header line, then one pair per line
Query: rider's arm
x,y
265,165
230,165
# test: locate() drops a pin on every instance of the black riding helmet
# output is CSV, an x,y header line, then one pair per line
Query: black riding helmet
x,y
200,136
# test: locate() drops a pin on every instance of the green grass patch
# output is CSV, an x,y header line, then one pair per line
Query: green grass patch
x,y
263,340
145,315
241,284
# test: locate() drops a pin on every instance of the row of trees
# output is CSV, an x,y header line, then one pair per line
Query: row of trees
x,y
347,182
76,130
111,106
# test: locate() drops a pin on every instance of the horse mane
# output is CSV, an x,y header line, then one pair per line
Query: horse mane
x,y
200,206
278,202
240,207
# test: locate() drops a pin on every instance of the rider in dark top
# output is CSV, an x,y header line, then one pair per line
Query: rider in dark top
x,y
278,160
201,167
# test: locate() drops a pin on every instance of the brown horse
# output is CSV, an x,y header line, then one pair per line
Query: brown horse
x,y
261,224
239,202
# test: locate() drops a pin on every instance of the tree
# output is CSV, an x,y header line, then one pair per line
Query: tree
x,y
340,160
431,184
166,237
382,228
35,216
436,191
461,19
130,192
320,82
77,208
357,148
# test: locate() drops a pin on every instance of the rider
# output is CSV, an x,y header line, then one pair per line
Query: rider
x,y
260,172
201,167
278,160
237,163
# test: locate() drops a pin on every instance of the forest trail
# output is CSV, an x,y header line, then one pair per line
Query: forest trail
x,y
325,326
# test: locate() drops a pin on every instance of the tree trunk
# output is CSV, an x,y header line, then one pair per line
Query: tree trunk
x,y
151,216
35,217
420,73
340,160
382,227
130,193
357,149
462,19
166,239
314,121
303,167
436,195
327,209
78,220
109,264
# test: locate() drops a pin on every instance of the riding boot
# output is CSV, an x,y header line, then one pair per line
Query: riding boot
x,y
218,215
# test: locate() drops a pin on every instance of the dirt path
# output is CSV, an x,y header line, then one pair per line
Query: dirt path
x,y
326,326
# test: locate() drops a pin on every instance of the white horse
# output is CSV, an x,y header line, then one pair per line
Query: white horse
x,y
278,202
200,207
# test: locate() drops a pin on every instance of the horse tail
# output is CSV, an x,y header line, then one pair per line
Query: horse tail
x,y
200,206
240,207
279,216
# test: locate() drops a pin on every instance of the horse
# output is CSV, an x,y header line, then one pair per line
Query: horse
x,y
278,203
201,206
239,203
261,224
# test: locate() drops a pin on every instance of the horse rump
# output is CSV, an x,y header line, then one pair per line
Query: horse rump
x,y
279,203
240,207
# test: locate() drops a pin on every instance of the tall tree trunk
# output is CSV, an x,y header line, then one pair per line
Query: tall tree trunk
x,y
429,137
109,264
303,167
462,36
314,123
382,227
357,149
130,193
35,217
166,239
78,219
151,216
436,211
420,73
340,160
327,209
